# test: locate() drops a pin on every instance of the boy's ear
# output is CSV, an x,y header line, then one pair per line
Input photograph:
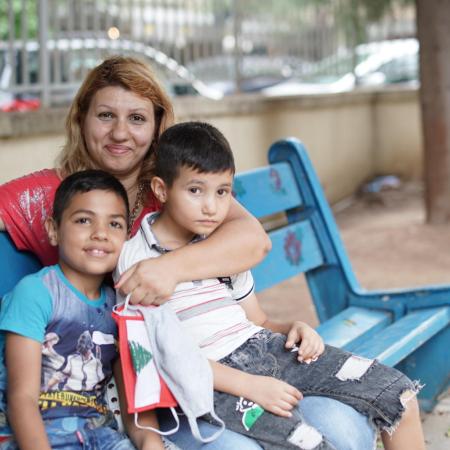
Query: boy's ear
x,y
52,231
159,188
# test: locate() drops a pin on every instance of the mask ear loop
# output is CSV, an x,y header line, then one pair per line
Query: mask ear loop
x,y
127,302
125,309
162,433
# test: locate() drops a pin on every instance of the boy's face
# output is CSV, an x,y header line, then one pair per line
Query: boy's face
x,y
196,203
90,236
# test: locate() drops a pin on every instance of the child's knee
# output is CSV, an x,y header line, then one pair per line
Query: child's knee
x,y
409,401
409,397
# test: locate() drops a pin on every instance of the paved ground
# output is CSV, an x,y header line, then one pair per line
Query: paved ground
x,y
389,246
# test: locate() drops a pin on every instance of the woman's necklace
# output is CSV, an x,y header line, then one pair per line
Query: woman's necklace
x,y
138,203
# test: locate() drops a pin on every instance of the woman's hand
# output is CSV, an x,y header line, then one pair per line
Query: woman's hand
x,y
150,282
273,395
311,344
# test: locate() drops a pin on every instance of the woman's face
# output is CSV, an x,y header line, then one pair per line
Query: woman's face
x,y
118,130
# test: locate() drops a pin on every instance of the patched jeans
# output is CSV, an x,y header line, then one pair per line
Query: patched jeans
x,y
74,433
366,385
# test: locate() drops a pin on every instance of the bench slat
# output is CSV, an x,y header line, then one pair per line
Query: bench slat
x,y
352,326
267,190
294,250
405,335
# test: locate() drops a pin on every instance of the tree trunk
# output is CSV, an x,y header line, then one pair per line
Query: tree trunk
x,y
433,27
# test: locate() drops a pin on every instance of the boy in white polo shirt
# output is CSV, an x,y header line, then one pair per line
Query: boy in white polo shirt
x,y
274,364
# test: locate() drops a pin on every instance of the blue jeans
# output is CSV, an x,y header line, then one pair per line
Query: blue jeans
x,y
368,386
333,419
75,433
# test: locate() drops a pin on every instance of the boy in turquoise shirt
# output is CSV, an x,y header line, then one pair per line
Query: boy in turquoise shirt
x,y
59,334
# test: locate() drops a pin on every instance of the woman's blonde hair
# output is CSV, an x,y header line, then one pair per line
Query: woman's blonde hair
x,y
130,74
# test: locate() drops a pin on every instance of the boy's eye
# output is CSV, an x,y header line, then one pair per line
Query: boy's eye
x,y
117,225
194,190
222,192
83,220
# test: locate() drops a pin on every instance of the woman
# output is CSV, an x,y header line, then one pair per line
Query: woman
x,y
114,124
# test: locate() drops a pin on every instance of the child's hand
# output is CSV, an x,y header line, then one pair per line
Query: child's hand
x,y
311,344
274,395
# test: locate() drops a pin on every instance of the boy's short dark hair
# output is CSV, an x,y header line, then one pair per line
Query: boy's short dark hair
x,y
86,181
196,145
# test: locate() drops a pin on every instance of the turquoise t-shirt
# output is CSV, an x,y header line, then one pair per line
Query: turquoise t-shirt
x,y
77,337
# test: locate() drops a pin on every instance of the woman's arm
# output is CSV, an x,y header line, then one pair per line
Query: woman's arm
x,y
24,205
23,362
2,225
238,244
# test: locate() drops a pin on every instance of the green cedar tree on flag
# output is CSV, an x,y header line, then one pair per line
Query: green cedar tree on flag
x,y
140,356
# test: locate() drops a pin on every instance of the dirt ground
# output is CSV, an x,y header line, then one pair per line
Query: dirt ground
x,y
389,246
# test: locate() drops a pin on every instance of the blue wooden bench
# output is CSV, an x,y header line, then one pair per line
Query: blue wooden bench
x,y
406,328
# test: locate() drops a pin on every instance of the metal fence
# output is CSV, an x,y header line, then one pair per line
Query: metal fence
x,y
47,46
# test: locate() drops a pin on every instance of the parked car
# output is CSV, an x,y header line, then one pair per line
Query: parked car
x,y
378,63
256,72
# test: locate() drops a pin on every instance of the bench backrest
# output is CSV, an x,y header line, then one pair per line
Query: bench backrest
x,y
14,264
309,240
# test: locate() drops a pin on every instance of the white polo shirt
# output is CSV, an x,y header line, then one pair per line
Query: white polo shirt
x,y
209,309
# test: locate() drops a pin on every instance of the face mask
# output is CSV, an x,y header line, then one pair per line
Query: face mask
x,y
176,362
144,388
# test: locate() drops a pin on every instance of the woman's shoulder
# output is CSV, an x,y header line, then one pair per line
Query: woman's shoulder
x,y
151,205
44,177
40,176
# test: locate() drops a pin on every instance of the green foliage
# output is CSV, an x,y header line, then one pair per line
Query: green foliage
x,y
355,15
374,9
17,6
280,9
352,15
272,9
371,10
